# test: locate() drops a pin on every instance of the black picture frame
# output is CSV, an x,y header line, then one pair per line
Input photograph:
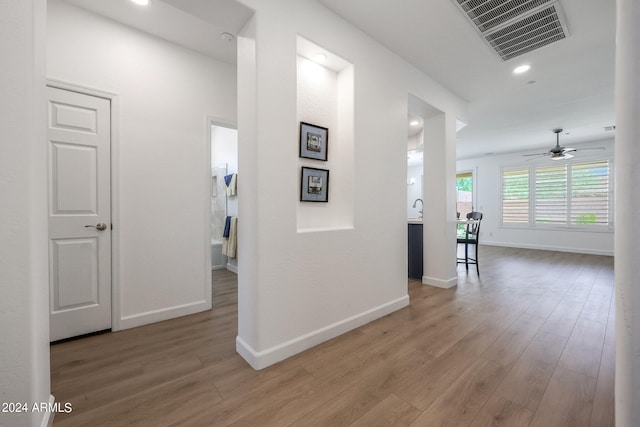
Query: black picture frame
x,y
314,141
314,185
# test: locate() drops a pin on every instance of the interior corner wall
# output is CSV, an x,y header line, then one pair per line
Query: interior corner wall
x,y
24,313
307,287
488,186
165,94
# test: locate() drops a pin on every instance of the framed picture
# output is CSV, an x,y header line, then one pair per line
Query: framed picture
x,y
313,141
314,185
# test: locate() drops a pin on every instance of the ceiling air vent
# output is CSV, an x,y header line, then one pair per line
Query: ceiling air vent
x,y
515,27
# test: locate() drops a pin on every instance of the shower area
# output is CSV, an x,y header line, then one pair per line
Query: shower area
x,y
224,203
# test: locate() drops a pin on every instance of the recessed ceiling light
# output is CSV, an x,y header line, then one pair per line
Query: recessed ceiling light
x,y
141,2
414,123
319,58
521,69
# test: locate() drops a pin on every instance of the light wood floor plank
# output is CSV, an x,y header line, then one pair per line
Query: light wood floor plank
x,y
529,342
427,384
510,345
392,411
563,318
501,412
583,351
527,381
603,405
464,399
567,401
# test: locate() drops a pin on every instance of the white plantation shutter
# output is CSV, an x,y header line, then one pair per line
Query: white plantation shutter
x,y
561,194
515,196
590,193
551,194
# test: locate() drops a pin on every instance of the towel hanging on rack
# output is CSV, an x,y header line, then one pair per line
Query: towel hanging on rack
x,y
231,182
230,242
227,226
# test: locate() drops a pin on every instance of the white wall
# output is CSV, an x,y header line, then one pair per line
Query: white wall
x,y
161,193
488,201
627,242
24,318
297,289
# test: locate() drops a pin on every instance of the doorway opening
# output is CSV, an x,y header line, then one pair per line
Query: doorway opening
x,y
224,212
464,196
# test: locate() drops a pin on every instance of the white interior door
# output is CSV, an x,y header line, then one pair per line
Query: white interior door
x,y
79,140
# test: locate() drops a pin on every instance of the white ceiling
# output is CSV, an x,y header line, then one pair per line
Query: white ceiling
x,y
195,24
574,78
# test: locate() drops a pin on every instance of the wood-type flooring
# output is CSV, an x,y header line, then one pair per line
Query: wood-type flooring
x,y
529,343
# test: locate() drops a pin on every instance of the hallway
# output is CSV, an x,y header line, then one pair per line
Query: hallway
x,y
530,343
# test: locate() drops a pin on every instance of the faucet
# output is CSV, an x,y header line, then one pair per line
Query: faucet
x,y
421,203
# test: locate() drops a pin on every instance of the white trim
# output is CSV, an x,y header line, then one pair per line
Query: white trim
x,y
47,420
154,316
550,248
116,236
440,283
86,90
113,97
232,268
262,359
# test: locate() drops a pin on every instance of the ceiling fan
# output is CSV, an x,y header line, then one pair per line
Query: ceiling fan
x,y
561,153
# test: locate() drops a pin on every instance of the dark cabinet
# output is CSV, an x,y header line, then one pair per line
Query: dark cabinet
x,y
415,251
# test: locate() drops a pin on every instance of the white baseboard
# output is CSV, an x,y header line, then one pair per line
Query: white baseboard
x,y
218,267
262,359
154,316
232,268
439,283
549,248
47,419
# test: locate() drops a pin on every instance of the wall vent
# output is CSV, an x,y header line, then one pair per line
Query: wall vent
x,y
515,27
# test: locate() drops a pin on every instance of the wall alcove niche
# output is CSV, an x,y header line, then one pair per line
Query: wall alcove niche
x,y
325,97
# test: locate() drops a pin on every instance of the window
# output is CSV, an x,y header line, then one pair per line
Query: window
x,y
590,193
551,194
567,194
464,193
515,196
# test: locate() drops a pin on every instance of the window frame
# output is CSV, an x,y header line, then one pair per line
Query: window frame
x,y
567,226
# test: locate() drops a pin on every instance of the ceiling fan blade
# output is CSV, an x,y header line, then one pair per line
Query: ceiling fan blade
x,y
590,148
536,154
568,150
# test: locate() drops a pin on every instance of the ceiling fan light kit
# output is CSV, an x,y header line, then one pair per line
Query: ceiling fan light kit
x,y
561,153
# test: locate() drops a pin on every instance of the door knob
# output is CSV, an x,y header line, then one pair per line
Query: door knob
x,y
100,227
